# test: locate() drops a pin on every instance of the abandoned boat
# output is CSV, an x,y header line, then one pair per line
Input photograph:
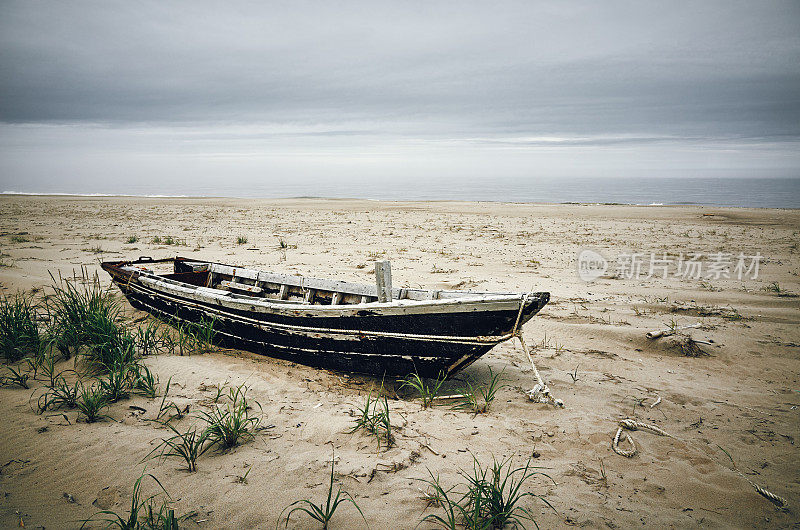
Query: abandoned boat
x,y
374,329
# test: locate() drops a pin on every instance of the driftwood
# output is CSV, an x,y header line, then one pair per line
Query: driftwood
x,y
669,331
451,396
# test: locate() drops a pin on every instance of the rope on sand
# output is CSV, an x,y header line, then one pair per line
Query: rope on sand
x,y
541,392
615,445
777,500
633,425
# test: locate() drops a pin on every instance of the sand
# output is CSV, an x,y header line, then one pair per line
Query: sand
x,y
589,342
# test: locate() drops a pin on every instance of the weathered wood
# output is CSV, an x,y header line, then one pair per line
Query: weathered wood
x,y
428,337
241,287
383,280
319,284
308,298
284,293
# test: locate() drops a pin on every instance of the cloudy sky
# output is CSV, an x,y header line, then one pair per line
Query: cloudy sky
x,y
159,96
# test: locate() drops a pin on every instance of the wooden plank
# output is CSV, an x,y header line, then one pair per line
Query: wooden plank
x,y
284,294
241,287
308,298
336,299
369,291
508,302
383,280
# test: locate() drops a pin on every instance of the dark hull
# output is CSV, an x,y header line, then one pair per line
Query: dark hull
x,y
316,341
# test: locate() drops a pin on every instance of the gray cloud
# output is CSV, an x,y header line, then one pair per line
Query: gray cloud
x,y
239,78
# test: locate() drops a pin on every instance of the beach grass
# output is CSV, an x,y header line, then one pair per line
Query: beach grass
x,y
85,322
478,397
427,390
152,338
47,367
374,419
232,423
19,332
144,381
193,337
59,394
164,407
145,512
322,512
91,401
17,378
189,446
490,496
116,385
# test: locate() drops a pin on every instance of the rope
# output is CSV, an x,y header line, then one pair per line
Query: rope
x,y
633,425
523,300
541,392
777,500
623,452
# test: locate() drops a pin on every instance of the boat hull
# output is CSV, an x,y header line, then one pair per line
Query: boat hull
x,y
366,341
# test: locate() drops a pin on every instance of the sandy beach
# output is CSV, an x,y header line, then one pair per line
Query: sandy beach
x,y
732,411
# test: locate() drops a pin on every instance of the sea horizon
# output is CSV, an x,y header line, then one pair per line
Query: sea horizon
x,y
740,192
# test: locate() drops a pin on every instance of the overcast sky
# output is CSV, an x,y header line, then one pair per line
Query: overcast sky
x,y
168,94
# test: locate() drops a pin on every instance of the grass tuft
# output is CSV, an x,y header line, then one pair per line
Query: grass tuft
x,y
194,336
374,419
152,338
241,240
428,391
232,423
490,496
478,397
188,445
143,380
91,401
145,513
164,407
59,394
17,378
84,321
117,384
19,333
322,512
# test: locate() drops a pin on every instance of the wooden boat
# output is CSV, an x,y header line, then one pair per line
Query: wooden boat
x,y
372,329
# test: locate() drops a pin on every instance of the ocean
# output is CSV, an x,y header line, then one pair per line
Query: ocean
x,y
738,192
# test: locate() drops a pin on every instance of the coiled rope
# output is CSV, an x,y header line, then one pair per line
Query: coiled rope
x,y
633,425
